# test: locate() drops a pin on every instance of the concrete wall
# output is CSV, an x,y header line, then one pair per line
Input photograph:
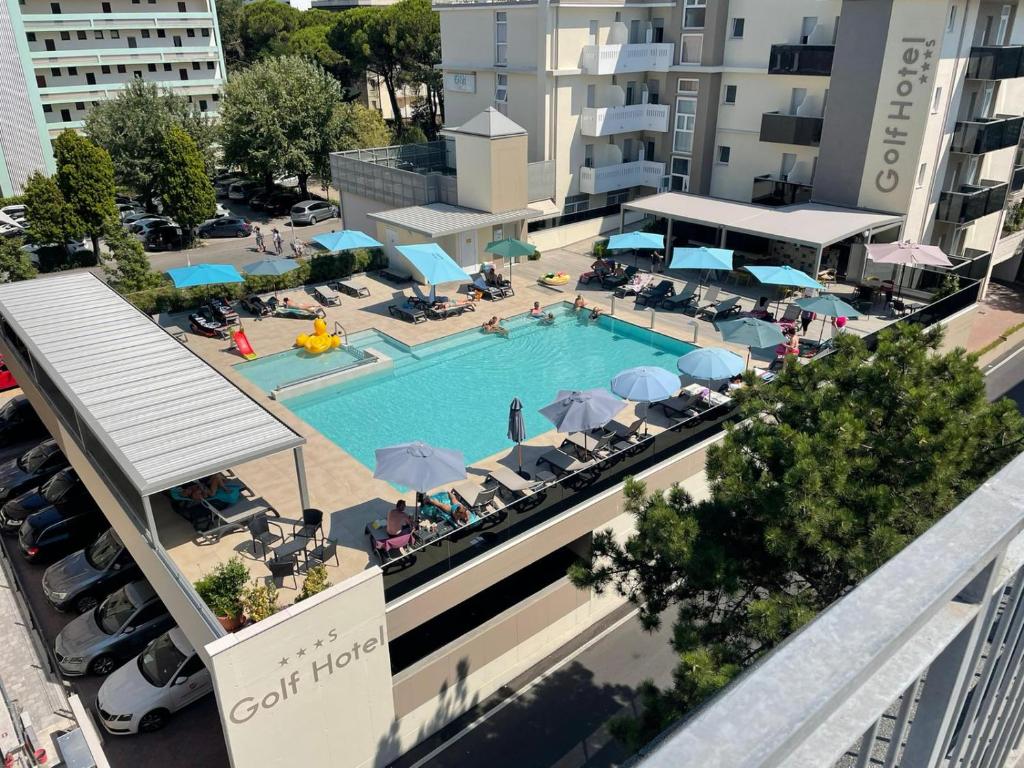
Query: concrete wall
x,y
493,176
354,209
559,237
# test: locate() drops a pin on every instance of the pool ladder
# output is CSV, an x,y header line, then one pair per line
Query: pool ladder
x,y
340,329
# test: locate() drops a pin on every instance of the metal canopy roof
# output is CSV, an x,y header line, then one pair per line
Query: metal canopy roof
x,y
438,219
165,415
810,224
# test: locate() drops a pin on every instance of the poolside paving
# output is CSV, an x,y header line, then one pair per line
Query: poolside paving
x,y
340,485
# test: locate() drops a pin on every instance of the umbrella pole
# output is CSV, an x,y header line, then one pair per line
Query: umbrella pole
x,y
519,448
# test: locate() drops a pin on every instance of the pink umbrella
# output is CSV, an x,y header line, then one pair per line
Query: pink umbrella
x,y
907,253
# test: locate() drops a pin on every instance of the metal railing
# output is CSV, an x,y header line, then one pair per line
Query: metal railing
x,y
977,137
996,62
789,59
776,192
627,57
972,202
781,128
540,180
609,178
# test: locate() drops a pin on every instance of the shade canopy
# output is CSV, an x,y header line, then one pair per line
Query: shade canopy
x,y
645,384
828,305
204,274
751,332
637,241
712,363
419,466
784,275
271,267
431,261
345,240
908,253
510,248
582,410
701,258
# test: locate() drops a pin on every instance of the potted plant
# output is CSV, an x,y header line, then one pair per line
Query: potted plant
x,y
221,590
315,581
259,601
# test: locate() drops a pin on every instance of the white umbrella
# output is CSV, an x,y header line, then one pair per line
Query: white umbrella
x,y
582,410
907,253
645,384
419,466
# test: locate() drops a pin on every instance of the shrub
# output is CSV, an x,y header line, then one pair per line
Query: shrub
x,y
315,582
259,601
600,247
535,256
12,200
222,588
950,284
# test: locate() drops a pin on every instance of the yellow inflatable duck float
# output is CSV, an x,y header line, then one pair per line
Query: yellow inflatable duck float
x,y
320,341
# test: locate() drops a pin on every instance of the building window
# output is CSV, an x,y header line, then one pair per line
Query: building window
x,y
121,69
576,203
167,67
730,94
195,65
65,115
105,69
501,93
950,25
114,34
723,154
936,100
55,71
145,34
65,35
679,180
47,109
693,13
54,7
688,87
151,67
81,34
181,8
203,105
79,105
686,119
41,81
501,38
90,78
922,171
210,65
161,33
204,32
98,34
137,74
190,33
736,29
30,36
105,7
617,197
216,97
588,155
72,71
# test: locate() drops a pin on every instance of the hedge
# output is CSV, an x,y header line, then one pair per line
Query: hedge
x,y
314,271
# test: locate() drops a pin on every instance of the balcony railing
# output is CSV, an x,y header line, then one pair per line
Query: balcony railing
x,y
996,62
605,121
789,59
972,202
43,22
976,137
776,192
609,178
540,180
791,129
630,57
1017,180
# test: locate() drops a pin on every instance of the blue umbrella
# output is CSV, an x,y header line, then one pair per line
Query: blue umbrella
x,y
701,258
582,410
784,275
433,263
645,384
346,240
752,333
204,274
711,363
516,427
827,306
270,267
638,240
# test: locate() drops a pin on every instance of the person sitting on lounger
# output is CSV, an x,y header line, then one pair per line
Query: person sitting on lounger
x,y
595,313
578,304
494,326
398,521
205,488
445,502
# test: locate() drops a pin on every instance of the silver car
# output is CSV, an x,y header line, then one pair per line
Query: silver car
x,y
312,211
99,640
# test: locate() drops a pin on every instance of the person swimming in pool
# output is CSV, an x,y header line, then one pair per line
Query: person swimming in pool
x,y
595,313
494,326
546,318
578,304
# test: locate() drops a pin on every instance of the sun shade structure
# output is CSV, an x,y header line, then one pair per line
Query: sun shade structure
x,y
510,249
711,363
637,240
419,466
908,254
440,219
784,275
828,305
271,267
701,258
430,260
645,384
345,240
517,427
160,413
204,274
751,332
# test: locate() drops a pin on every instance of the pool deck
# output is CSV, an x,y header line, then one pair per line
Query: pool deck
x,y
341,486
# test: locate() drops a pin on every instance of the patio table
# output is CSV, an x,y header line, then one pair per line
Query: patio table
x,y
291,549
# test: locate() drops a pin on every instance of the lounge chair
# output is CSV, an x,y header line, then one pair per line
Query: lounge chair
x,y
475,497
327,296
203,325
237,515
614,281
722,309
426,299
444,311
632,287
790,316
487,291
681,405
221,310
383,545
619,430
709,299
652,297
256,305
512,483
562,463
681,300
355,288
597,274
405,309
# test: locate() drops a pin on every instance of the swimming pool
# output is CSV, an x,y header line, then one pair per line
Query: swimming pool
x,y
455,392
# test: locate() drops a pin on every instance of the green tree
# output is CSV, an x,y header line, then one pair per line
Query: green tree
x,y
354,126
15,264
51,221
311,42
229,22
85,176
274,119
185,188
132,126
860,455
126,264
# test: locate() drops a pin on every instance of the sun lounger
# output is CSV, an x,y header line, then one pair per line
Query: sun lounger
x,y
614,281
491,292
722,309
352,287
654,296
327,295
562,463
511,482
681,300
475,496
236,516
444,311
619,430
405,309
640,281
681,405
202,325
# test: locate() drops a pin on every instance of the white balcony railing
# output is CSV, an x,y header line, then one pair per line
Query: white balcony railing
x,y
640,173
631,57
605,121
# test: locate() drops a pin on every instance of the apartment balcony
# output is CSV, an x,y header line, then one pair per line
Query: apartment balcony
x,y
995,62
100,56
976,137
1017,180
606,121
791,129
66,94
609,178
777,192
50,22
630,57
787,59
972,202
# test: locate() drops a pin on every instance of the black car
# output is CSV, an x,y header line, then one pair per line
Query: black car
x,y
258,200
32,468
226,226
281,202
19,422
82,579
166,237
54,531
63,489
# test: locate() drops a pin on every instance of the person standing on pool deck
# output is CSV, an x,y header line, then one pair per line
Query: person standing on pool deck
x,y
277,241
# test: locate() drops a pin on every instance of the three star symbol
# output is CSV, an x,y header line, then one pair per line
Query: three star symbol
x,y
284,661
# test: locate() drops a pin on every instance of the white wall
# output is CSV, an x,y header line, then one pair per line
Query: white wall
x,y
773,22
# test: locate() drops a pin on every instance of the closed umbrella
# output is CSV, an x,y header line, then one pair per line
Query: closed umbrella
x,y
517,428
711,363
905,254
510,249
204,274
271,267
645,384
752,333
827,306
419,466
582,410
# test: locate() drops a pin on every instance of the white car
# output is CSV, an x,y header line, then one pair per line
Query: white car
x,y
141,696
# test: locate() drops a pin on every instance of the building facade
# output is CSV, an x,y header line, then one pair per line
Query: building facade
x,y
769,101
58,59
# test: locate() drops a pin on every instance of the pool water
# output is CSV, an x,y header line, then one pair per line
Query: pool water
x,y
455,392
272,371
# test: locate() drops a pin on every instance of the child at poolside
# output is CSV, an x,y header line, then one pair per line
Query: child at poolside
x,y
494,326
578,304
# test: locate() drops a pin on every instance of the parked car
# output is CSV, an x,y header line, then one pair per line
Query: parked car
x,y
243,190
83,578
16,212
126,209
230,226
221,212
141,216
6,377
53,532
19,422
142,228
32,468
259,199
64,489
280,202
167,237
35,252
141,696
222,183
98,641
312,211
